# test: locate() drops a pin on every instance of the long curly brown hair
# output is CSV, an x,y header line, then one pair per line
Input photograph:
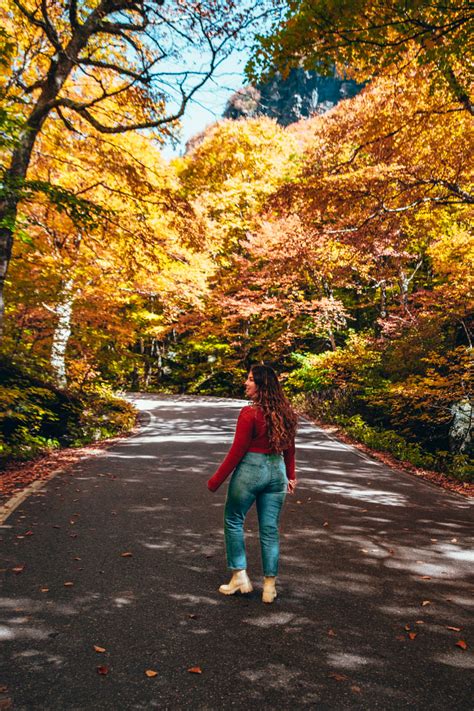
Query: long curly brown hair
x,y
280,417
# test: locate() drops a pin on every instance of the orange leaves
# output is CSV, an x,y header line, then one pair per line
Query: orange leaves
x,y
337,677
195,670
151,673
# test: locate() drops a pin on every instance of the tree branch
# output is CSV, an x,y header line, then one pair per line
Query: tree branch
x,y
49,28
73,14
142,77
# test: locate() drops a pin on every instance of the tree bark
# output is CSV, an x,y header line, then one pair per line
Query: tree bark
x,y
62,333
383,299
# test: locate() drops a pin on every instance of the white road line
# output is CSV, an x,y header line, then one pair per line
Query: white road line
x,y
14,502
18,499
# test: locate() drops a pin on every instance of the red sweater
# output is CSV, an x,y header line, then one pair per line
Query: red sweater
x,y
250,436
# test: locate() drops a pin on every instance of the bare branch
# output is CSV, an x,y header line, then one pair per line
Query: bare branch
x,y
142,77
49,28
73,14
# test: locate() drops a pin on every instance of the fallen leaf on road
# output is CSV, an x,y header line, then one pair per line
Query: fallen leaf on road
x,y
99,649
126,555
6,704
151,672
426,602
195,670
412,635
356,689
461,643
44,589
326,523
419,622
55,526
425,577
331,633
18,569
337,677
364,550
192,616
454,540
454,629
3,689
68,584
407,627
29,533
102,670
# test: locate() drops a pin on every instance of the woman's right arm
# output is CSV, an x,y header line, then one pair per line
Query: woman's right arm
x,y
240,445
289,457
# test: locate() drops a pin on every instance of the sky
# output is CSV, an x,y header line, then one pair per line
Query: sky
x,y
208,103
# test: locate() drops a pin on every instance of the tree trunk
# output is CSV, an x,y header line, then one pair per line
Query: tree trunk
x,y
329,295
383,299
62,333
59,69
332,339
404,283
13,180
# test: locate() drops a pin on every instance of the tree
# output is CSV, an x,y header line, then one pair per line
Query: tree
x,y
368,36
112,65
76,287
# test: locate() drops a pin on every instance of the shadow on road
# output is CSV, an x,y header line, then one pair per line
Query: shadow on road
x,y
373,592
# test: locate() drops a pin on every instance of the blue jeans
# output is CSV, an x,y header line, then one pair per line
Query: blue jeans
x,y
260,478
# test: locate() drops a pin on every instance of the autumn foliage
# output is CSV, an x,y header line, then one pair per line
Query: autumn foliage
x,y
339,249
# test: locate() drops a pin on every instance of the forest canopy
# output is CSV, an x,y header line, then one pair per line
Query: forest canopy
x,y
338,249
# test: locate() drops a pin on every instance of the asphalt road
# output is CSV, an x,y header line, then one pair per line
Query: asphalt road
x,y
369,557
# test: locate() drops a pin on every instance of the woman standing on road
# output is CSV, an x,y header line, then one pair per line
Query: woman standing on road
x,y
263,457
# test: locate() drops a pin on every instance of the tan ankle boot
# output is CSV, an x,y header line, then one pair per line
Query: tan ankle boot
x,y
269,591
239,581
